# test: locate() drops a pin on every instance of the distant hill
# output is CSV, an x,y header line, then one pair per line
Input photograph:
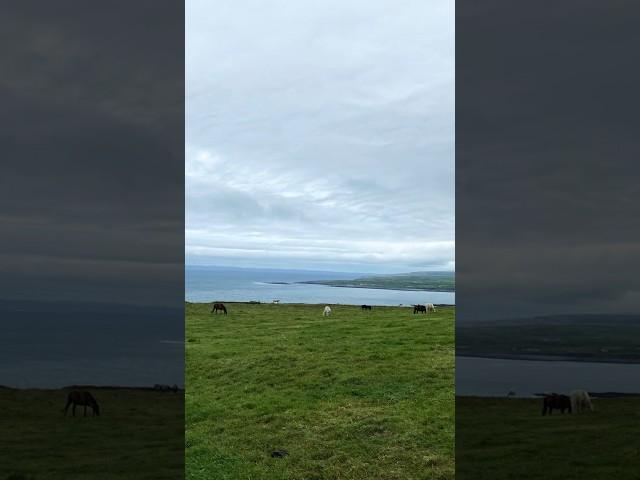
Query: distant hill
x,y
419,281
598,338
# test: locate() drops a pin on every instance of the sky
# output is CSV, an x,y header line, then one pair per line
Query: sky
x,y
320,135
92,192
547,159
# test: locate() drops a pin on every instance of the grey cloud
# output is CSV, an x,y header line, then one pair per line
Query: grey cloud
x,y
93,150
545,163
315,124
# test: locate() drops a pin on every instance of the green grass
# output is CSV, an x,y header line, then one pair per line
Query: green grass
x,y
502,438
138,436
358,395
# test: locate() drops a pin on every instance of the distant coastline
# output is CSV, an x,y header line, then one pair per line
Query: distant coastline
x,y
414,282
597,338
549,358
217,284
329,283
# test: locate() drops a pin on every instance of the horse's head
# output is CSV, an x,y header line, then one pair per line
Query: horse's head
x,y
96,407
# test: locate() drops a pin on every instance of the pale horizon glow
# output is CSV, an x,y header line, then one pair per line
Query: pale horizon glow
x,y
320,136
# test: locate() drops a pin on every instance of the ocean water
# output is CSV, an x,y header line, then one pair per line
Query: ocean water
x,y
52,345
208,284
496,377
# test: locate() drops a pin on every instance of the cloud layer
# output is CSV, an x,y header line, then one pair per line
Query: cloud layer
x,y
545,157
320,135
92,144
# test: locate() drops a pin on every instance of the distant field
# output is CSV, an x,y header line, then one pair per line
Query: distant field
x,y
599,338
500,439
358,395
138,436
431,281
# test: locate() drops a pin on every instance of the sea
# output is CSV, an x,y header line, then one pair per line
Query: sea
x,y
208,284
496,377
57,344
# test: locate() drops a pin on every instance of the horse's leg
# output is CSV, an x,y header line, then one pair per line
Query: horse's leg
x,y
66,407
85,409
74,409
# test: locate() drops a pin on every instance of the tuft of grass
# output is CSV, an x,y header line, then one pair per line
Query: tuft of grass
x,y
139,435
500,438
357,395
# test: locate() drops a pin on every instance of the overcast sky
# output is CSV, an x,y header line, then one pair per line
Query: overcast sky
x,y
91,193
320,135
547,159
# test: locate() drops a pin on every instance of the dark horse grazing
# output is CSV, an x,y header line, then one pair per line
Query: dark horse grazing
x,y
365,307
560,402
219,306
83,399
419,309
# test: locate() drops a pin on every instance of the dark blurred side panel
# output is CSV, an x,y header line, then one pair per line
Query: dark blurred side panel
x,y
547,230
92,244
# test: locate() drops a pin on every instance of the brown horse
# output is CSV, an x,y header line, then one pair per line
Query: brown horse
x,y
560,402
219,306
419,309
84,399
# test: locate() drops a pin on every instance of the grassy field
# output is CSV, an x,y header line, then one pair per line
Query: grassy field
x,y
358,395
503,438
139,435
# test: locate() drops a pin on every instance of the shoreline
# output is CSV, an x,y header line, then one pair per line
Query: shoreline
x,y
537,396
255,302
549,358
371,287
84,387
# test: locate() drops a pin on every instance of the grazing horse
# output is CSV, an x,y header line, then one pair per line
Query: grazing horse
x,y
580,401
85,399
365,307
560,402
276,301
219,306
327,311
419,309
430,307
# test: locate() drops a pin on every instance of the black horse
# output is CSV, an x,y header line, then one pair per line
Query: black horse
x,y
84,399
365,307
219,306
559,402
419,309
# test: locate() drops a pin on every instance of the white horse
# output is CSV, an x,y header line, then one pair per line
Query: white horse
x,y
580,401
430,307
327,311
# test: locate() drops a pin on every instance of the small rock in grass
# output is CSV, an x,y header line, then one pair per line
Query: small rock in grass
x,y
279,453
